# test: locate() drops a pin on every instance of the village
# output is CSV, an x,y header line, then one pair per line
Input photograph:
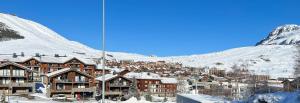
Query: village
x,y
73,79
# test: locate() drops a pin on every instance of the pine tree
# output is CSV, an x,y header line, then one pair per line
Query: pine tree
x,y
133,90
297,62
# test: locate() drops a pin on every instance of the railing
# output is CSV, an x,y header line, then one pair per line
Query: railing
x,y
63,81
81,81
18,75
17,85
5,75
118,85
92,89
113,93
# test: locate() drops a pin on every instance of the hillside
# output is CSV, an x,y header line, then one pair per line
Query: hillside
x,y
266,58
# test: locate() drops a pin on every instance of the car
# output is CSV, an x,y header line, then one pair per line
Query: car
x,y
59,97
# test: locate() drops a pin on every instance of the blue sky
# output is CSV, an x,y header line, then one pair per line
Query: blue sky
x,y
161,27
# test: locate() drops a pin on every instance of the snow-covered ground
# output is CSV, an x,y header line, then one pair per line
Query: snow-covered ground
x,y
278,97
40,98
201,98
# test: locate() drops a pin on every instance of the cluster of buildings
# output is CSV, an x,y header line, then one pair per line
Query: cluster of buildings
x,y
125,83
162,68
76,77
237,84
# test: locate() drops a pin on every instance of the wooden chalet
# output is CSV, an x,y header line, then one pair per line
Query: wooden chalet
x,y
115,85
72,82
154,84
15,79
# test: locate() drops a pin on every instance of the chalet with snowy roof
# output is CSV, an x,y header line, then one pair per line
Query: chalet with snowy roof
x,y
15,79
152,83
42,65
115,85
168,87
72,82
144,79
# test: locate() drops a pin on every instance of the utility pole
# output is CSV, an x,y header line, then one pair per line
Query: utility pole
x,y
103,51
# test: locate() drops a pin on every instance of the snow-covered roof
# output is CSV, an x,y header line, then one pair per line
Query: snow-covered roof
x,y
48,59
148,75
201,98
100,66
15,64
64,70
56,72
142,75
107,77
169,80
117,70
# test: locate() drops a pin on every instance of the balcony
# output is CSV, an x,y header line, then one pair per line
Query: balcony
x,y
113,93
22,84
92,89
5,75
63,81
17,85
81,81
118,85
20,76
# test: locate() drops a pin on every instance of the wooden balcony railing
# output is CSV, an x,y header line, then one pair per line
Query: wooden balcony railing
x,y
118,85
17,85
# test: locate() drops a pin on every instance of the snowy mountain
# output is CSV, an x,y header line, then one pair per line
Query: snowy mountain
x,y
283,35
266,58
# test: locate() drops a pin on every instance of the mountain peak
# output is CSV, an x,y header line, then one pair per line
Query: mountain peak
x,y
283,35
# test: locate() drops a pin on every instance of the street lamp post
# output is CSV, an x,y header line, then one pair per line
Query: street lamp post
x,y
103,51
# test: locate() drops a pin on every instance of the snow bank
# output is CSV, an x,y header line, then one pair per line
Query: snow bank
x,y
278,97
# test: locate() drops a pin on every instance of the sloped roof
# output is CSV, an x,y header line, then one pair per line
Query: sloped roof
x,y
61,71
15,64
47,59
166,80
142,75
107,77
100,66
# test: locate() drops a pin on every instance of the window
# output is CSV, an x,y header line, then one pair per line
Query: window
x,y
79,79
5,72
19,80
18,73
81,86
60,86
5,80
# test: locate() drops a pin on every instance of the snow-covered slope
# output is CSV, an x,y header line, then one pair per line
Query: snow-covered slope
x,y
38,38
277,59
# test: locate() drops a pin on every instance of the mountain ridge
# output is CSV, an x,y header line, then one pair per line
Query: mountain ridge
x,y
288,34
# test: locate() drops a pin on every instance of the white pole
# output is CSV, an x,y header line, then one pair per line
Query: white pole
x,y
103,51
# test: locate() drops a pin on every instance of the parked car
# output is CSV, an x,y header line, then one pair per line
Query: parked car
x,y
59,97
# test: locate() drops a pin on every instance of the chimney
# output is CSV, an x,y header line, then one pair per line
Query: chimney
x,y
56,55
15,55
22,54
37,54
